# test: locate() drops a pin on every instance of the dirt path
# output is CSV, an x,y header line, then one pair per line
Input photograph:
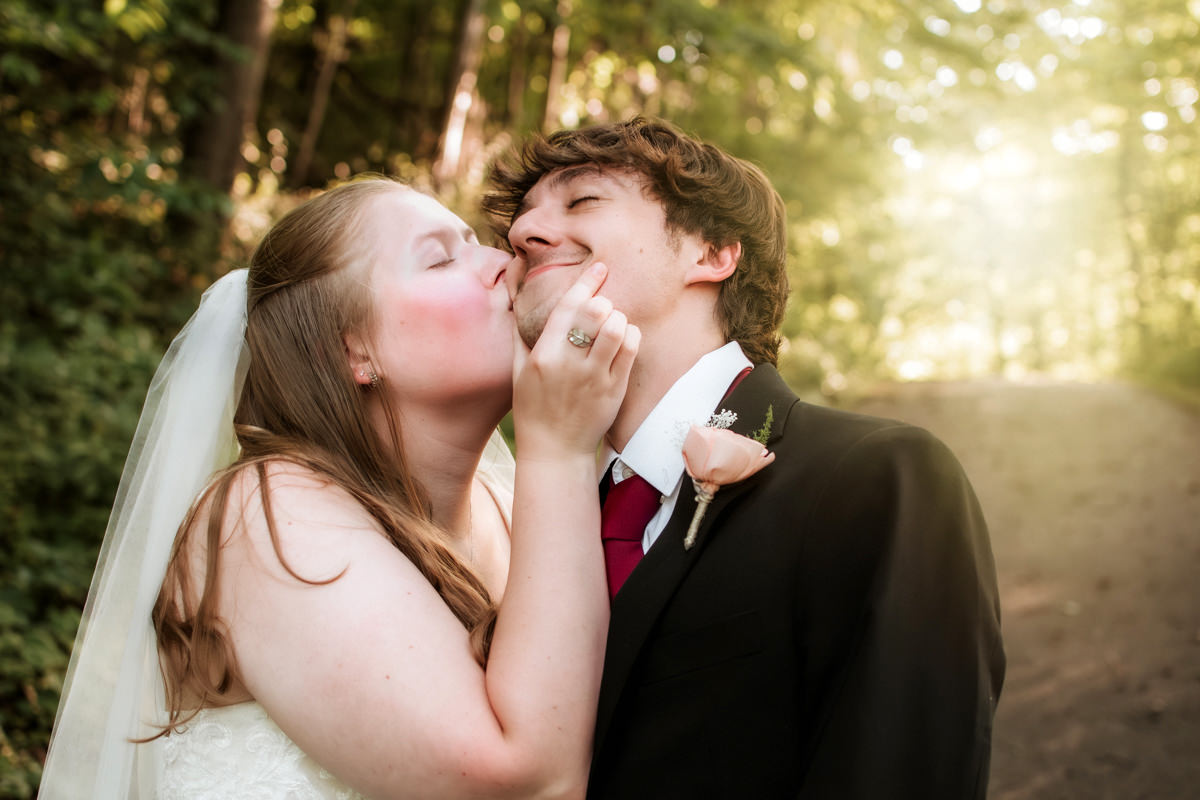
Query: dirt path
x,y
1092,494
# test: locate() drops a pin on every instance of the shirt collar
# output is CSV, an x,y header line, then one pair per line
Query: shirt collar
x,y
655,450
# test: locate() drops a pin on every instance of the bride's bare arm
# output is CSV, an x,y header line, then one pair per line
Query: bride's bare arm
x,y
556,603
372,674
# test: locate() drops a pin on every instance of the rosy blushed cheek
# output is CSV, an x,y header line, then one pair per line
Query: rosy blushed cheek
x,y
450,310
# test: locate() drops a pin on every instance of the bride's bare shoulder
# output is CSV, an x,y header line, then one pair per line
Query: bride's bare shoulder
x,y
280,512
290,491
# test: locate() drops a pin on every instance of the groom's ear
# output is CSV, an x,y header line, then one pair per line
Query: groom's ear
x,y
358,357
715,264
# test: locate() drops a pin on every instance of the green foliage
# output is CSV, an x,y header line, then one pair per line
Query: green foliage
x,y
95,280
764,431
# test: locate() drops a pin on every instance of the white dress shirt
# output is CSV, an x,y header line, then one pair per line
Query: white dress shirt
x,y
655,450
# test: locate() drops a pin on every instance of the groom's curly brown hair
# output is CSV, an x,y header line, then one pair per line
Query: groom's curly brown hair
x,y
703,190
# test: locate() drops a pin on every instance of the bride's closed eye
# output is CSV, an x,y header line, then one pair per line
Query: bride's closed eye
x,y
449,243
580,200
442,257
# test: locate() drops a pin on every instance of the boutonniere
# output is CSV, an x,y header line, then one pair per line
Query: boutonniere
x,y
715,457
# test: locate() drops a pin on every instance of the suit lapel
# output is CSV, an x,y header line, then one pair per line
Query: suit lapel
x,y
640,602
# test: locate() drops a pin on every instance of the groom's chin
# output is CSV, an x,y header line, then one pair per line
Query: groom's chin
x,y
530,328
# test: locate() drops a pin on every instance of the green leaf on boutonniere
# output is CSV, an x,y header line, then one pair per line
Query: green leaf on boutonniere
x,y
764,433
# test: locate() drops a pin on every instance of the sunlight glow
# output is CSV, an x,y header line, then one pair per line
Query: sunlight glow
x,y
915,370
1155,143
842,308
987,138
961,347
1024,78
1007,305
937,26
1076,29
1182,93
913,159
1154,120
959,179
1011,161
1081,138
1092,27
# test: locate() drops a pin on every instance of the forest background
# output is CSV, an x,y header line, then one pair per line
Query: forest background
x,y
975,188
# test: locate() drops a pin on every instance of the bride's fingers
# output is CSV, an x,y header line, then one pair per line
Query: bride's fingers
x,y
622,364
564,316
590,316
607,341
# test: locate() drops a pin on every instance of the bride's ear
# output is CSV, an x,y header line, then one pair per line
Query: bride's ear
x,y
359,359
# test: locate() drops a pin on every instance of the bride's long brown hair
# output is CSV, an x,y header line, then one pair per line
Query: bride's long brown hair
x,y
308,287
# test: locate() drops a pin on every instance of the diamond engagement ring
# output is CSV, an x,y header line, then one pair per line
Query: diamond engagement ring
x,y
579,338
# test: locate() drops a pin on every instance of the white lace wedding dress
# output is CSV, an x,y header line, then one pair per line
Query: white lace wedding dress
x,y
239,752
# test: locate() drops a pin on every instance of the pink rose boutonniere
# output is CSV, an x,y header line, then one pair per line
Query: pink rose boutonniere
x,y
715,457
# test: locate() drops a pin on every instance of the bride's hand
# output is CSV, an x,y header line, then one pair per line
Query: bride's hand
x,y
566,396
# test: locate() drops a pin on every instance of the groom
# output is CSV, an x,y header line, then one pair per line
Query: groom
x,y
833,631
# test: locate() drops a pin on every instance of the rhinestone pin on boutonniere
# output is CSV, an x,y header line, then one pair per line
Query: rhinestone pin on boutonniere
x,y
722,419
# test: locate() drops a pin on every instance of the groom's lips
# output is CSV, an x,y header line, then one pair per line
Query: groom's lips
x,y
539,269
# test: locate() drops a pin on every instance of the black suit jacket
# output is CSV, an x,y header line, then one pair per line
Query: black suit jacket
x,y
834,632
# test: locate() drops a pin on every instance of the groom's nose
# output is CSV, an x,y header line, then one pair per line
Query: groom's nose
x,y
532,231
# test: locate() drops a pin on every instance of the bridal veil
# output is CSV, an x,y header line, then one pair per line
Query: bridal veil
x,y
113,690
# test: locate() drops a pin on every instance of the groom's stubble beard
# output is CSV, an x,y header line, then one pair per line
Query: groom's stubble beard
x,y
530,327
531,321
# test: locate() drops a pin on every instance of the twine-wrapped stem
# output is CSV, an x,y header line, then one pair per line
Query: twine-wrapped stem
x,y
704,495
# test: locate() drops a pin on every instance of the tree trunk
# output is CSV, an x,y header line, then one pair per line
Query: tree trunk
x,y
516,76
214,145
333,53
559,48
463,95
135,102
410,107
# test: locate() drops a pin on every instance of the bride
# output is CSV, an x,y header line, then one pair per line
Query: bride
x,y
308,586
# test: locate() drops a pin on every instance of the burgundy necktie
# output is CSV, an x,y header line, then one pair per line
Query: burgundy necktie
x,y
627,509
